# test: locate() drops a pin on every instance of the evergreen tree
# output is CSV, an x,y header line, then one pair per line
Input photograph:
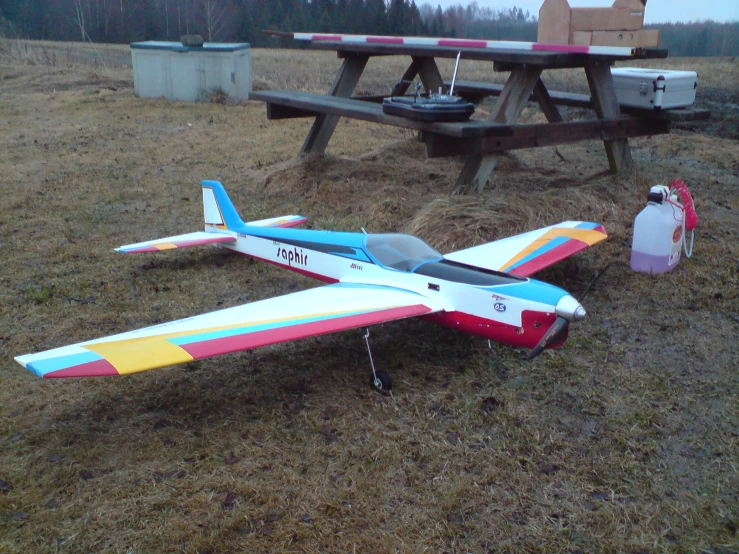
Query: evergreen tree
x,y
376,17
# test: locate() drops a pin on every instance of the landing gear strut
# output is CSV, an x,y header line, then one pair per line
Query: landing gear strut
x,y
379,380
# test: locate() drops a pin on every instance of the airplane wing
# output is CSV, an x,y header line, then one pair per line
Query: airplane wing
x,y
180,241
530,252
294,316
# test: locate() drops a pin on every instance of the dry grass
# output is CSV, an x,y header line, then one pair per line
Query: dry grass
x,y
626,440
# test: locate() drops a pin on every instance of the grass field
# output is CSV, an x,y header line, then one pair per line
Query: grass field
x,y
625,440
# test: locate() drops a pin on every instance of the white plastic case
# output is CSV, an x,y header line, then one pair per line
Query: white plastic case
x,y
654,89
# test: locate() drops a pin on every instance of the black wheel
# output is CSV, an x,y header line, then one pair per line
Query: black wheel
x,y
381,381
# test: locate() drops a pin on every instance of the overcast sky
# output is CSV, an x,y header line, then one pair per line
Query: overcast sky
x,y
658,11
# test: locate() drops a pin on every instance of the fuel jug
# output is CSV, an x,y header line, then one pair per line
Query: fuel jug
x,y
659,229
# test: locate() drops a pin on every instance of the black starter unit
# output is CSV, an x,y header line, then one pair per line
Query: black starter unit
x,y
430,107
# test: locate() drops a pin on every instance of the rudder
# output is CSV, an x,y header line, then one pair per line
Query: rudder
x,y
218,210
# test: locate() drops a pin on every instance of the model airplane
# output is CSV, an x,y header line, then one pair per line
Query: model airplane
x,y
372,278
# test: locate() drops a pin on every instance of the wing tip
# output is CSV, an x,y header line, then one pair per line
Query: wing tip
x,y
98,368
299,220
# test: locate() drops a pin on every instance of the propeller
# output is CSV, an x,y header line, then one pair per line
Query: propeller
x,y
551,336
567,309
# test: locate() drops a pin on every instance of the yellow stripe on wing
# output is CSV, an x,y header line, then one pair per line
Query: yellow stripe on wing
x,y
588,236
164,245
133,355
142,353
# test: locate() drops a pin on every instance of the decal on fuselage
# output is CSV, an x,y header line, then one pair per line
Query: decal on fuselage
x,y
356,266
294,256
500,306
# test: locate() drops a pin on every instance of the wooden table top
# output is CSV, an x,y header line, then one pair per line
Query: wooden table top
x,y
508,56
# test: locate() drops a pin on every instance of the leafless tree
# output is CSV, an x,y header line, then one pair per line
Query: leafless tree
x,y
214,17
78,17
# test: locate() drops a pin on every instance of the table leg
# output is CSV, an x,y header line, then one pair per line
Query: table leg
x,y
606,106
325,124
427,70
545,102
429,73
511,103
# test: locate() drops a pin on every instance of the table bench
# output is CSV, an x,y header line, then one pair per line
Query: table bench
x,y
454,139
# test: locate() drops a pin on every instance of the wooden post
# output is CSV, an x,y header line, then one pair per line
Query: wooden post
x,y
546,103
325,124
606,106
511,103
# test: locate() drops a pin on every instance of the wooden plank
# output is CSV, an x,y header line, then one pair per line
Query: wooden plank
x,y
546,134
516,57
549,59
606,107
369,111
277,111
325,124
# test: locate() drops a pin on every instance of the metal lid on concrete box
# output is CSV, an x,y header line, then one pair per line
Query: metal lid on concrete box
x,y
178,47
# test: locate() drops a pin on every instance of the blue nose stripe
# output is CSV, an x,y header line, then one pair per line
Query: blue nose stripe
x,y
533,290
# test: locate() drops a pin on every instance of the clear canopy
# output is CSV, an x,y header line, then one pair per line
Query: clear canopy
x,y
403,252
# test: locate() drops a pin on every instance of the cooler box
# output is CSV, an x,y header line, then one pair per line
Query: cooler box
x,y
654,89
191,73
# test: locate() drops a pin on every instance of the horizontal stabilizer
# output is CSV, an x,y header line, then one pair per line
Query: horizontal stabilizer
x,y
282,221
530,252
180,241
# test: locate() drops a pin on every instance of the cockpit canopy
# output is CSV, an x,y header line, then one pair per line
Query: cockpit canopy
x,y
409,253
402,252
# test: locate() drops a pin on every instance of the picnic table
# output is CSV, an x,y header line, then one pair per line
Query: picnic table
x,y
481,141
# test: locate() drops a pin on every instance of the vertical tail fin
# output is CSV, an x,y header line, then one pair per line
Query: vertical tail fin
x,y
217,207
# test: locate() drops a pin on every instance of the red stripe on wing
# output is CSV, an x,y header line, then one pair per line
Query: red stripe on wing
x,y
142,249
99,368
198,242
551,257
199,350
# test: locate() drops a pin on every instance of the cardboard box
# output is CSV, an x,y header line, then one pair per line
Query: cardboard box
x,y
606,19
561,24
645,38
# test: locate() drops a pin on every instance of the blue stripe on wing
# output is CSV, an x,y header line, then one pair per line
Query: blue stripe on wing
x,y
42,367
539,251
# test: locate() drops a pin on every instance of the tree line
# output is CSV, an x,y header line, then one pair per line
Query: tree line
x,y
125,21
